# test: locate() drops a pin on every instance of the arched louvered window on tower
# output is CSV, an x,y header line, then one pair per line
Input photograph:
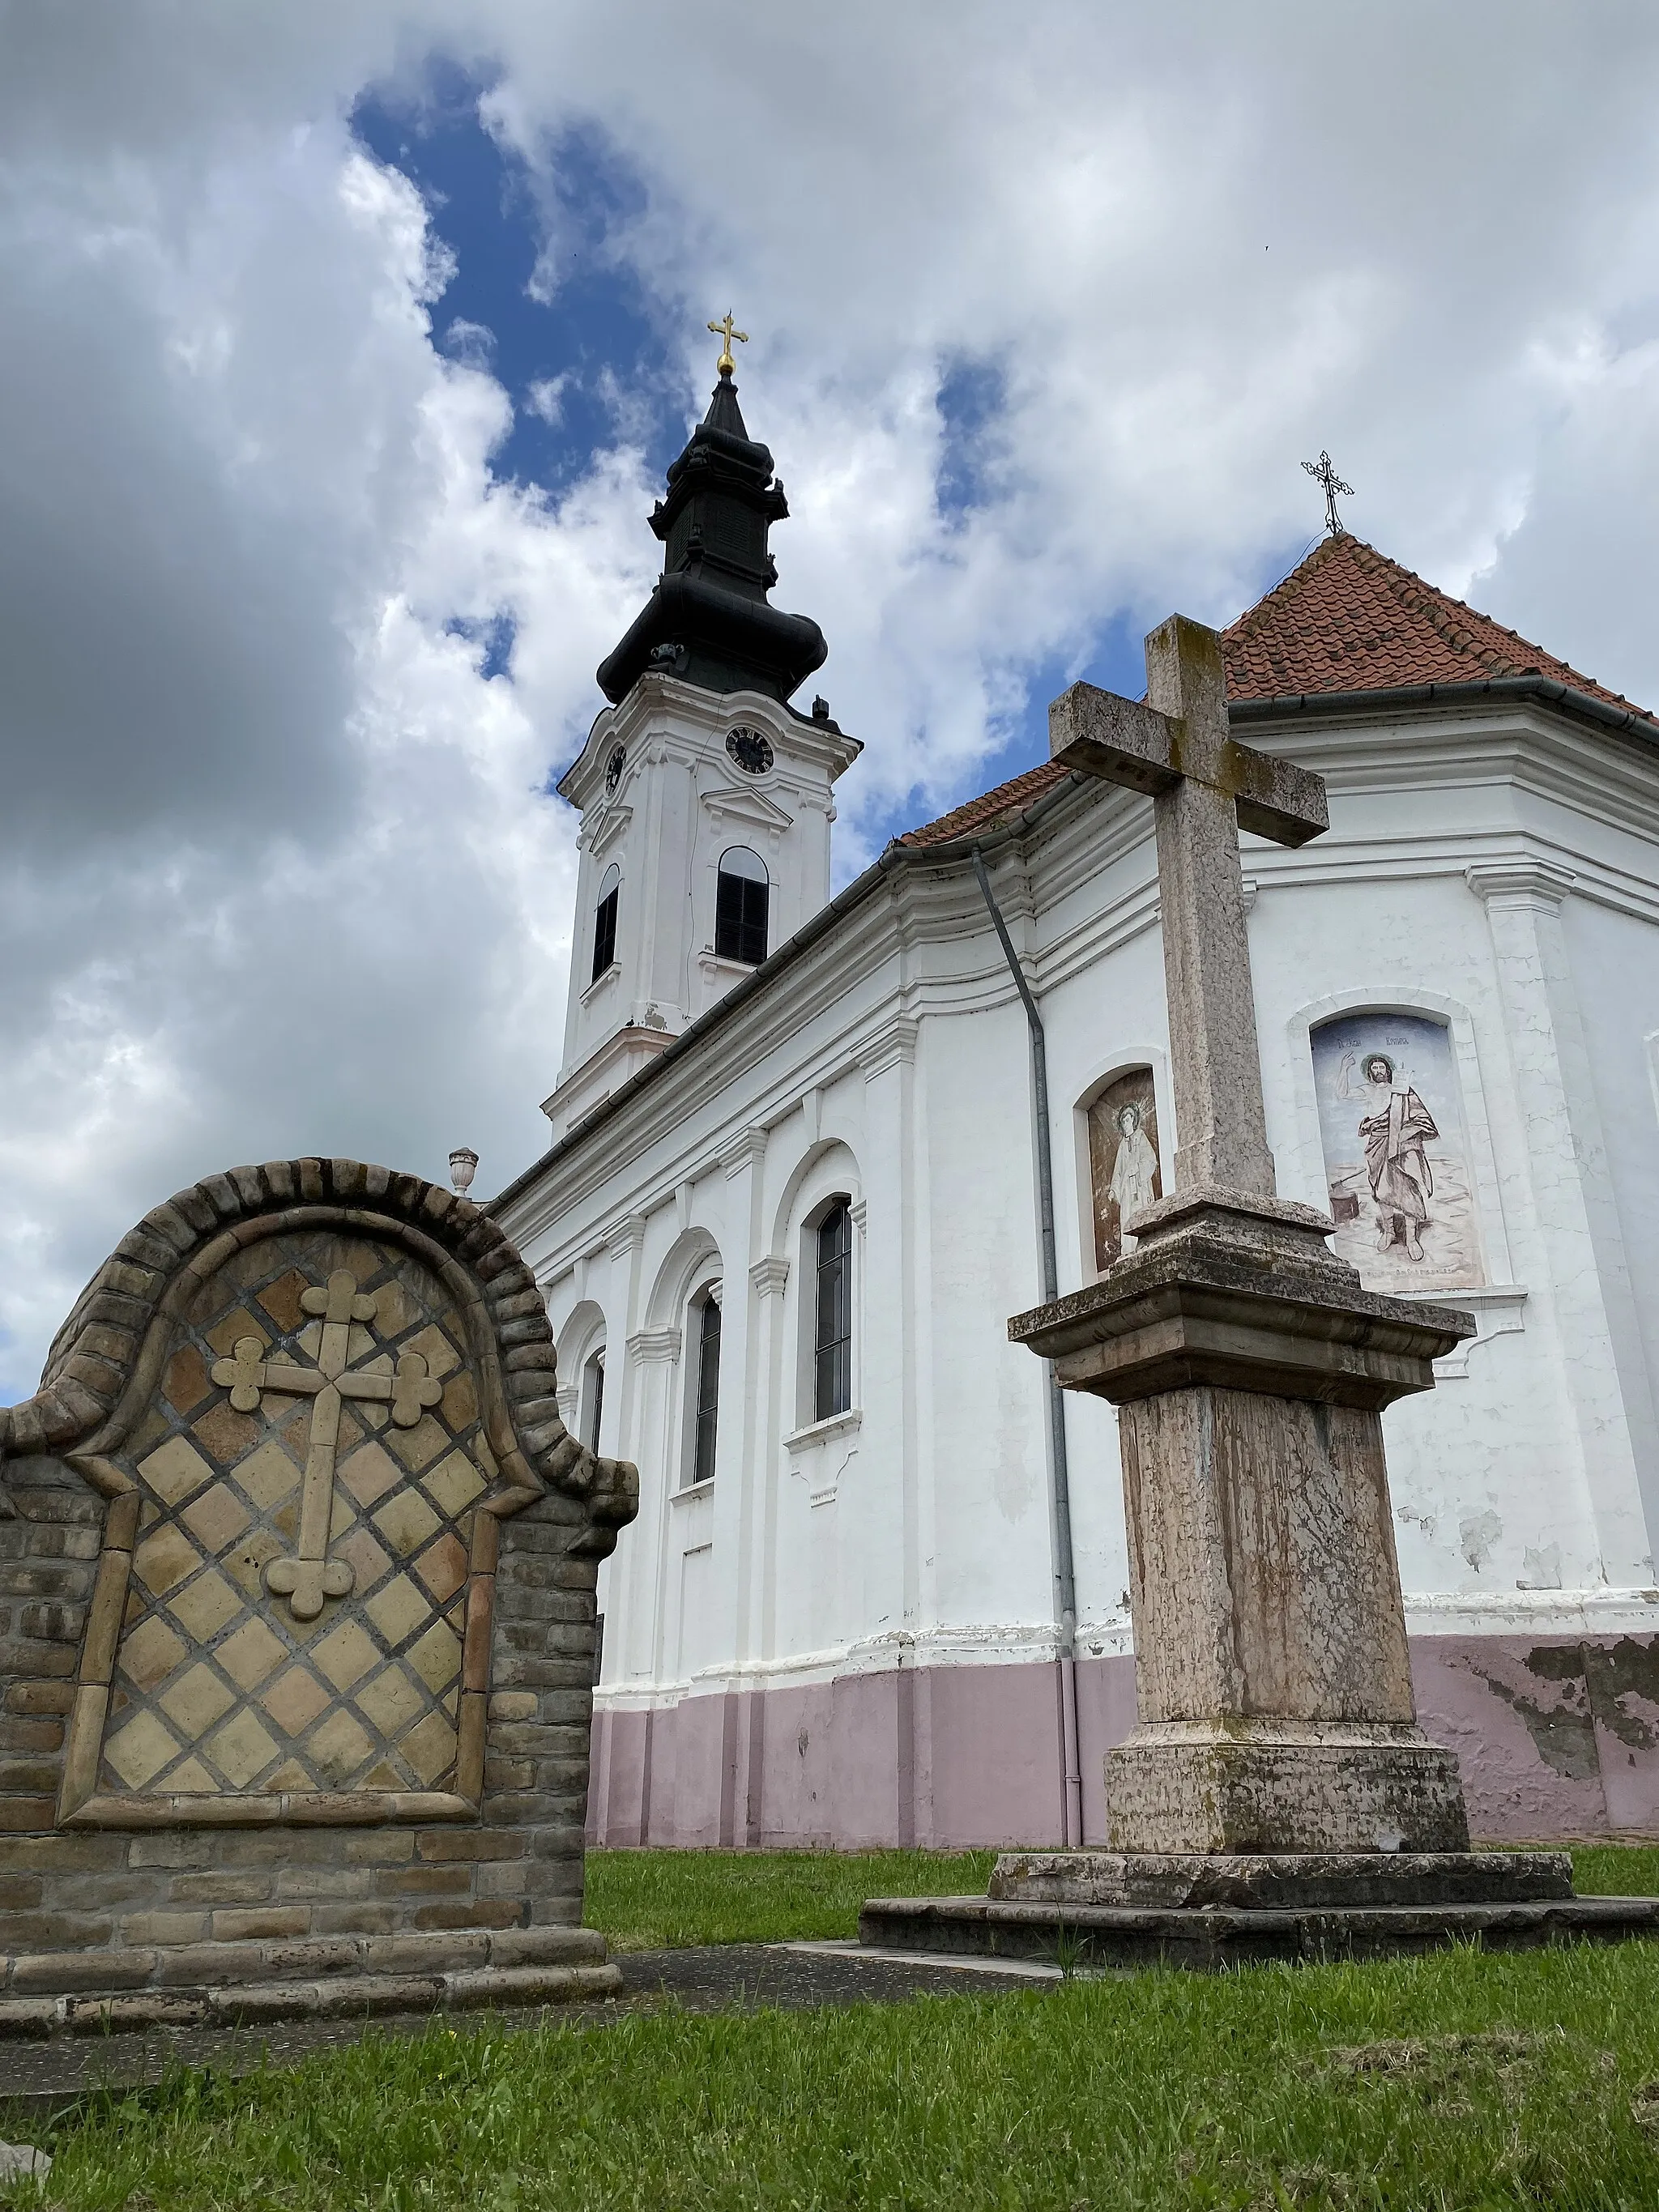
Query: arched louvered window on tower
x,y
604,920
742,893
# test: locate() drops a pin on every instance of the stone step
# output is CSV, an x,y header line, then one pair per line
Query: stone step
x,y
1294,1879
1097,1937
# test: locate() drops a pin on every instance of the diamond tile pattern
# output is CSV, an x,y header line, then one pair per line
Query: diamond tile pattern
x,y
217,1687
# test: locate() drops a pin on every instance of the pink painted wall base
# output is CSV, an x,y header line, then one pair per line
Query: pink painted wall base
x,y
1555,1737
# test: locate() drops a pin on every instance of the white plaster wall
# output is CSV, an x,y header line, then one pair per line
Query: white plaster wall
x,y
893,1062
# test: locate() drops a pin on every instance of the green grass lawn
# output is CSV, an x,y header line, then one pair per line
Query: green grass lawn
x,y
1456,2083
659,1900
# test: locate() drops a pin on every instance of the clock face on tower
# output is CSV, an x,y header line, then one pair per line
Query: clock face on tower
x,y
613,769
750,750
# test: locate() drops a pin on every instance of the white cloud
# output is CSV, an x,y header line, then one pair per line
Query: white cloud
x,y
272,873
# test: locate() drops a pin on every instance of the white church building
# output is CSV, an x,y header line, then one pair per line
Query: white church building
x,y
794,1191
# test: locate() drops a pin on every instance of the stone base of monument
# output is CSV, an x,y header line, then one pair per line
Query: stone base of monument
x,y
1108,1909
230,1985
1246,1783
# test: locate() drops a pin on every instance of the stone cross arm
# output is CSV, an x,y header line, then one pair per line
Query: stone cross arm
x,y
1205,788
1122,741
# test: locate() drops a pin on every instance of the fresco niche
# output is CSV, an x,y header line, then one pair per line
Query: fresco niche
x,y
1125,1173
1396,1162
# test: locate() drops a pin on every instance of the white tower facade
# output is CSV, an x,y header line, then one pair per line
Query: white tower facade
x,y
704,847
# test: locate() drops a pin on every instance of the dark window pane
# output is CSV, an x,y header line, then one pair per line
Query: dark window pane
x,y
833,1334
708,1390
597,1364
605,933
740,918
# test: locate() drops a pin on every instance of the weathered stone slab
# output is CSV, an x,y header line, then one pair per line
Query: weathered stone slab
x,y
1276,1880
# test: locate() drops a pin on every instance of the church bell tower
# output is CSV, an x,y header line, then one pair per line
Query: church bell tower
x,y
706,798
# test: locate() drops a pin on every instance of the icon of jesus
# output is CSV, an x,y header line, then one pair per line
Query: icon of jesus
x,y
1393,1129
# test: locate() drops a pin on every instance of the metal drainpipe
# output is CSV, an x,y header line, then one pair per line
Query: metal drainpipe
x,y
1065,1573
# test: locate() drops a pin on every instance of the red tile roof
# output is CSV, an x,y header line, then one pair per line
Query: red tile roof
x,y
1347,619
992,808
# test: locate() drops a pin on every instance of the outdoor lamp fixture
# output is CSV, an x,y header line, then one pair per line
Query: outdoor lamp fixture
x,y
463,1166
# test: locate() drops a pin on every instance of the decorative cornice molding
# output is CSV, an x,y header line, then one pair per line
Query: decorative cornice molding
x,y
748,1151
1522,882
649,1344
608,829
893,1045
626,1236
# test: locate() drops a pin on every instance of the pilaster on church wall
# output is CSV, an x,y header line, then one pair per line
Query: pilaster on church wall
x,y
1604,1364
895,1381
1614,960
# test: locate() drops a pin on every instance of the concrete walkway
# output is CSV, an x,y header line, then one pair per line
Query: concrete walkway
x,y
37,2079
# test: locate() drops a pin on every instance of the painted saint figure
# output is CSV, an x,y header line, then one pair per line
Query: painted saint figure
x,y
1393,1129
1134,1171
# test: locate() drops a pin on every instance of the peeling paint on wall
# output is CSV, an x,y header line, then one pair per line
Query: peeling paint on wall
x,y
1476,1537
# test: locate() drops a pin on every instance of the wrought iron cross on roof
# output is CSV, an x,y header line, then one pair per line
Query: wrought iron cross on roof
x,y
1324,471
1205,788
310,1576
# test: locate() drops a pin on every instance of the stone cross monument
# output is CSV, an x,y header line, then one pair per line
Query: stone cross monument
x,y
1277,1794
1251,1371
297,1574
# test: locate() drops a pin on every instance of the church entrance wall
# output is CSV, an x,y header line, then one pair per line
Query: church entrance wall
x,y
1556,1738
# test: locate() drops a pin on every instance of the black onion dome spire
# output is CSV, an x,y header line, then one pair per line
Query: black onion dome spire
x,y
708,619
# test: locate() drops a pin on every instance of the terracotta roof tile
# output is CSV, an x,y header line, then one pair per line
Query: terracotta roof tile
x,y
992,808
1349,619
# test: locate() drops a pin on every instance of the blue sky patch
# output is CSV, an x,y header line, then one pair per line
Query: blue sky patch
x,y
544,300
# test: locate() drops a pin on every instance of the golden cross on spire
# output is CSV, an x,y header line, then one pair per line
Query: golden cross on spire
x,y
723,330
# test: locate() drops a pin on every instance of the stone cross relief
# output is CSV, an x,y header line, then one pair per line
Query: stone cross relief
x,y
1205,788
310,1576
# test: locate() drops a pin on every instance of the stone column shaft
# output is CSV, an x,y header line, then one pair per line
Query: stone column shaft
x,y
1263,1524
1214,1061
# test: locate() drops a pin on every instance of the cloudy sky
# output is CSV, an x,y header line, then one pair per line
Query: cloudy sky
x,y
342,343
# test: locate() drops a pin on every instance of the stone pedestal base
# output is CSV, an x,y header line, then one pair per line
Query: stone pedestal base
x,y
1275,1786
1272,1680
1275,1881
1104,1909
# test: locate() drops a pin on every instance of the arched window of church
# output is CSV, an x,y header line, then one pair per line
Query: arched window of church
x,y
592,1398
1125,1172
1397,1173
742,893
706,1405
604,920
832,1334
